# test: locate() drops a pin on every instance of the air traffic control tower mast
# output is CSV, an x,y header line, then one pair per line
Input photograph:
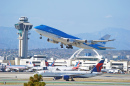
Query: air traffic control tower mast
x,y
23,27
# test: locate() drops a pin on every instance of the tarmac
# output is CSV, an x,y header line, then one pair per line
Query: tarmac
x,y
18,78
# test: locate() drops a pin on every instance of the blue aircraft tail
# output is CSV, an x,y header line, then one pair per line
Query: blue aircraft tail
x,y
77,64
9,63
30,62
47,64
106,37
52,64
98,67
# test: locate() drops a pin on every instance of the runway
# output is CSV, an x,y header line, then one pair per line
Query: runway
x,y
64,83
17,79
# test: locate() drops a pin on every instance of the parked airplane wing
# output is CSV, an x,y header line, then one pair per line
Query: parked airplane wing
x,y
72,75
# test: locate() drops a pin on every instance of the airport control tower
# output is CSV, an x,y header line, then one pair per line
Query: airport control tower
x,y
23,27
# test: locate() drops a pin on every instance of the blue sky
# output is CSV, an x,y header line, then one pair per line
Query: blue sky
x,y
70,16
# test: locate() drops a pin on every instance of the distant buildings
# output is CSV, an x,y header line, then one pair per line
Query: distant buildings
x,y
60,56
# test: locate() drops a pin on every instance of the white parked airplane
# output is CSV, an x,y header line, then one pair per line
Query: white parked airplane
x,y
66,75
56,36
15,67
63,68
19,67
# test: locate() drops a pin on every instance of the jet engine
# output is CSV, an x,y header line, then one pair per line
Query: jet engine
x,y
68,40
75,40
56,78
52,41
66,77
82,41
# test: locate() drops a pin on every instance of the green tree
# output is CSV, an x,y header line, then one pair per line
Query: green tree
x,y
35,81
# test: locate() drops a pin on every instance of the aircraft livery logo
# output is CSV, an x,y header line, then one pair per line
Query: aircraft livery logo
x,y
99,67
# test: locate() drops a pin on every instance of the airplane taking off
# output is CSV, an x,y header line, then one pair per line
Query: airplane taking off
x,y
66,75
56,36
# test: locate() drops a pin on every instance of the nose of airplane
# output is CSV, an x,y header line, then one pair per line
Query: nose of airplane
x,y
40,27
37,27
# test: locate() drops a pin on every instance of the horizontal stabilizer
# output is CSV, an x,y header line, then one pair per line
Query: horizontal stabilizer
x,y
102,40
107,47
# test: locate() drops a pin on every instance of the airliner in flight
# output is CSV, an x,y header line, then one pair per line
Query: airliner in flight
x,y
66,75
57,36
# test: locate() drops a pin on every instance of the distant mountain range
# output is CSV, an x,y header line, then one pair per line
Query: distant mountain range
x,y
9,38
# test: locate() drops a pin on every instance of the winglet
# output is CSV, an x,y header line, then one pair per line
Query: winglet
x,y
98,66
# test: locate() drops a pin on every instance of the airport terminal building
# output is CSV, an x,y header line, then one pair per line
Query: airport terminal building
x,y
87,62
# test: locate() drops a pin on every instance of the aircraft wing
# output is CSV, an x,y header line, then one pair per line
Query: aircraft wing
x,y
72,75
70,40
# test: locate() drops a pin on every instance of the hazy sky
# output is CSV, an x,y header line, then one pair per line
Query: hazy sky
x,y
70,16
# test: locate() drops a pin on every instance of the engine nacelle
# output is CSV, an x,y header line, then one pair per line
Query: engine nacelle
x,y
82,41
7,69
65,39
70,40
85,41
56,78
66,77
52,41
